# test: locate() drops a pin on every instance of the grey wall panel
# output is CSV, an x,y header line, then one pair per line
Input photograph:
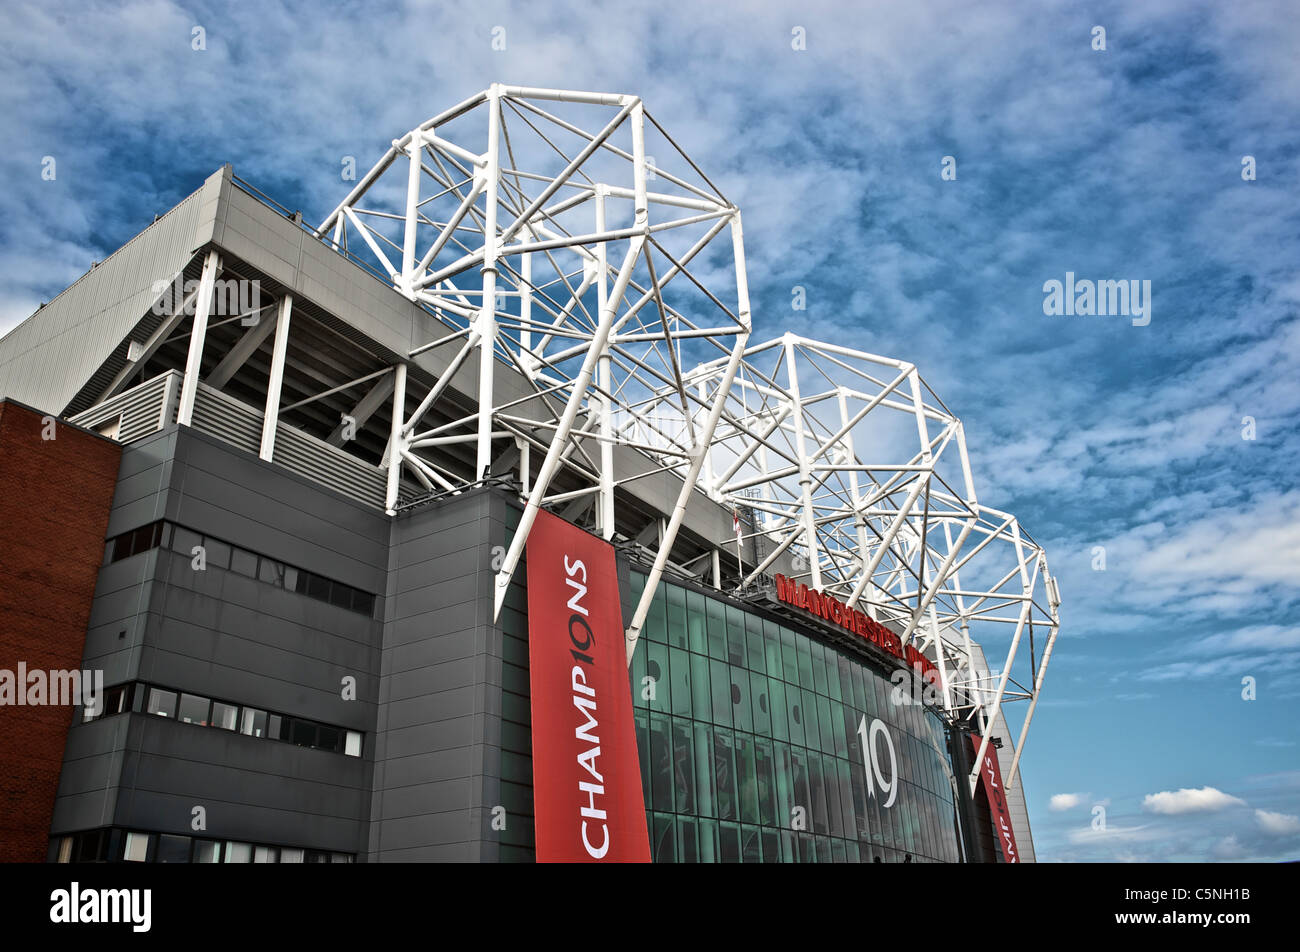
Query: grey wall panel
x,y
46,359
436,725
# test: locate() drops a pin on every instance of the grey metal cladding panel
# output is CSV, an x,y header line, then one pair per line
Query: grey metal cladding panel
x,y
147,453
434,853
451,829
214,595
453,574
250,502
433,797
50,356
428,709
268,241
170,813
440,680
84,811
115,656
232,668
169,740
208,775
423,738
87,742
450,764
459,618
426,651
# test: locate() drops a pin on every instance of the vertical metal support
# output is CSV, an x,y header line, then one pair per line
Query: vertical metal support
x,y
940,661
413,149
1010,778
194,362
487,322
703,439
1025,607
395,438
271,416
805,471
717,570
859,523
560,443
526,297
605,381
171,392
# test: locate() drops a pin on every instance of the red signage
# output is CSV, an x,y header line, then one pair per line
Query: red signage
x,y
586,775
992,775
836,612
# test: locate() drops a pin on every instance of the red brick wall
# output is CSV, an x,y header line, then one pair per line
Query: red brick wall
x,y
55,497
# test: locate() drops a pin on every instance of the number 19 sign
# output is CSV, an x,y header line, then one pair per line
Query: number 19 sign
x,y
871,760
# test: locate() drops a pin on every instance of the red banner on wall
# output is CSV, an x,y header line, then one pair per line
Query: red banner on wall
x,y
586,774
992,775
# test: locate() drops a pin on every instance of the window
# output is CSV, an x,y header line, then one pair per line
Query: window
x,y
340,595
217,553
184,541
136,541
238,852
172,849
161,702
243,562
91,847
352,746
65,850
137,848
290,854
115,700
194,709
270,571
207,851
328,738
224,715
253,723
265,854
302,733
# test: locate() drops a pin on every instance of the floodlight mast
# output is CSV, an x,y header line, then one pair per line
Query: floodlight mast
x,y
593,308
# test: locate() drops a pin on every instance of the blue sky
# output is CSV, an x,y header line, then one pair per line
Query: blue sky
x,y
1117,164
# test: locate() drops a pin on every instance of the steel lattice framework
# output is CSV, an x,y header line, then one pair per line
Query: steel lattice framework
x,y
525,222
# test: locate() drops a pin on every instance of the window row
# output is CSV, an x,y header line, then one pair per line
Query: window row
x,y
689,685
224,715
712,629
695,769
131,846
223,555
684,839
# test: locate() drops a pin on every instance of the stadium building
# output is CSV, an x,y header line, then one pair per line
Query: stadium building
x,y
471,525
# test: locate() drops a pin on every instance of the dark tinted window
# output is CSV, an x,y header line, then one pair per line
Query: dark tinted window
x,y
245,563
172,849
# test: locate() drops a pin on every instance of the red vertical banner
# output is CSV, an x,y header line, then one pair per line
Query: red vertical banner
x,y
586,773
992,775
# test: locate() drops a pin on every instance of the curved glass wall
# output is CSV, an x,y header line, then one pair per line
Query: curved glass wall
x,y
751,736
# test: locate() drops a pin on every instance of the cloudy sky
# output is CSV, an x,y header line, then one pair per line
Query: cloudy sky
x,y
1156,463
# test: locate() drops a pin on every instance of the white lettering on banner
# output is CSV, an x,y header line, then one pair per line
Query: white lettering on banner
x,y
586,706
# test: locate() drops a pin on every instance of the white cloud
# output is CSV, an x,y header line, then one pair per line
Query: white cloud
x,y
1278,824
1066,801
1175,803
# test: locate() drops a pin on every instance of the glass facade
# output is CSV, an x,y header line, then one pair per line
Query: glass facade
x,y
751,737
